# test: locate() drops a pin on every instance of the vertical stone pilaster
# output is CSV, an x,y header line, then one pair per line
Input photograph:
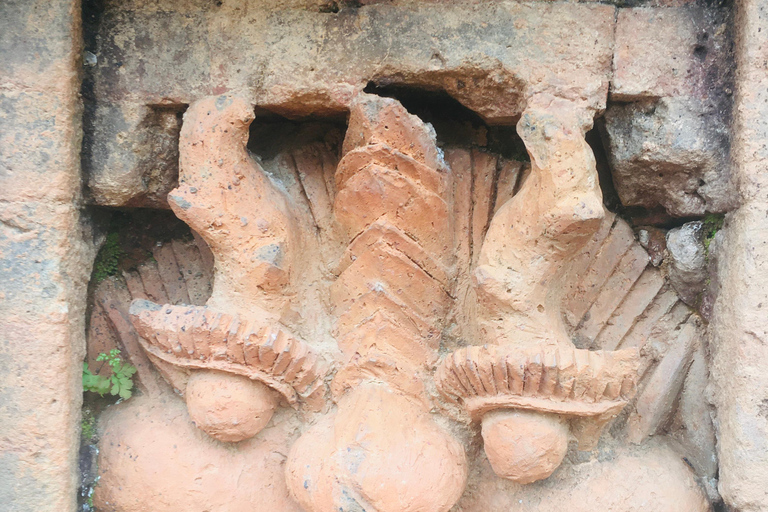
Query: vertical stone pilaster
x,y
45,259
740,327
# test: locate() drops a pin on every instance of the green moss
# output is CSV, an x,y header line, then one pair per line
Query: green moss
x,y
108,259
88,425
712,223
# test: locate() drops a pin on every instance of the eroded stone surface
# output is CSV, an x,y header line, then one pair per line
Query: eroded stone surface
x,y
524,446
298,62
651,477
669,145
520,290
253,235
46,253
687,268
380,451
229,407
671,153
739,349
397,287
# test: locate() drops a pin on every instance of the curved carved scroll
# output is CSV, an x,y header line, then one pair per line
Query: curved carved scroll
x,y
199,338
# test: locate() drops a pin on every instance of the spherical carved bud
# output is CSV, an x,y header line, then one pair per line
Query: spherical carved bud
x,y
229,407
524,446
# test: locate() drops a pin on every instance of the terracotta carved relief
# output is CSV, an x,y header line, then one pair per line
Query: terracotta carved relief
x,y
237,361
365,337
529,382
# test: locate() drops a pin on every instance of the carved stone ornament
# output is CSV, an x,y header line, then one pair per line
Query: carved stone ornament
x,y
367,409
240,359
528,382
381,450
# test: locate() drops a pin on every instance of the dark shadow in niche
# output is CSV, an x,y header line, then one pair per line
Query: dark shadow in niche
x,y
455,124
92,12
271,134
610,196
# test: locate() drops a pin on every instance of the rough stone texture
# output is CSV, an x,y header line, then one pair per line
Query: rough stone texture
x,y
739,331
381,451
228,199
388,327
669,145
669,153
45,255
654,241
525,56
659,53
693,427
520,283
524,446
655,403
610,306
253,234
296,62
687,270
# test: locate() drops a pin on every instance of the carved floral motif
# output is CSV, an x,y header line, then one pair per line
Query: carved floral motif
x,y
225,196
530,363
388,224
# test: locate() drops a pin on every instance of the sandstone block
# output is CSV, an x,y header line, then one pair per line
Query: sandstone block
x,y
670,153
44,267
297,62
45,256
669,148
658,53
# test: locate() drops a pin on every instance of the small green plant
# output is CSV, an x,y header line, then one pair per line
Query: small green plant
x,y
120,383
712,223
107,260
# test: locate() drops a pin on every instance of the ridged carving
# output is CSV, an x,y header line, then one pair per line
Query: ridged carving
x,y
382,450
390,298
566,381
198,337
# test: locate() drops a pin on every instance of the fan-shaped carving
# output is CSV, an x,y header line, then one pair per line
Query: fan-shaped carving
x,y
198,337
565,380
